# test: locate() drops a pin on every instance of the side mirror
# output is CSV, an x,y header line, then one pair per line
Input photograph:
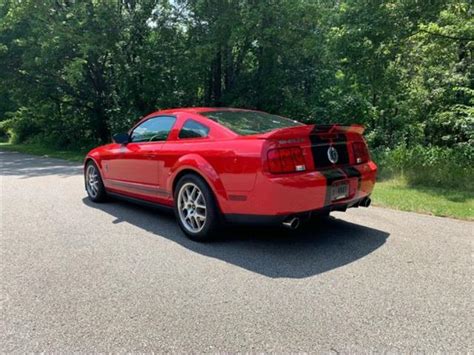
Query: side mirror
x,y
121,138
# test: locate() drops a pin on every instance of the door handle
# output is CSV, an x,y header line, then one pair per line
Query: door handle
x,y
151,156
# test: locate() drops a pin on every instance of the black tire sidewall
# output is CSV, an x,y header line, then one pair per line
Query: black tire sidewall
x,y
101,194
212,214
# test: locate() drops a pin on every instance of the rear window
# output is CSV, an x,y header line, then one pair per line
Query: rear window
x,y
193,129
250,122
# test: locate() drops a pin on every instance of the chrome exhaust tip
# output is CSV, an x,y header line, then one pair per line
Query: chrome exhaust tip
x,y
292,223
365,202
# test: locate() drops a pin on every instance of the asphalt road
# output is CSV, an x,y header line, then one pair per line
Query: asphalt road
x,y
77,276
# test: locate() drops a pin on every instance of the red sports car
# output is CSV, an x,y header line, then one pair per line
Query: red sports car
x,y
216,165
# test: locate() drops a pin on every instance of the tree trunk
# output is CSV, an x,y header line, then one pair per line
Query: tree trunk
x,y
217,79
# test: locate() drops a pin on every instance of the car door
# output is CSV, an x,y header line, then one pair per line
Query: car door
x,y
136,169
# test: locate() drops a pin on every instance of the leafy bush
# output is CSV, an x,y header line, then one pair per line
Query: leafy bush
x,y
428,166
20,127
5,130
66,131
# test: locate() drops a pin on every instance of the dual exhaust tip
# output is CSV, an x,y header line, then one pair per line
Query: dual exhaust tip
x,y
292,223
365,202
295,222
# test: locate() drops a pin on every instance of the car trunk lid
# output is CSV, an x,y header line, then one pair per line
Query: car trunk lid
x,y
323,146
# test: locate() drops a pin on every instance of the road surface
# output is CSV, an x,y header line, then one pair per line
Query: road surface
x,y
78,276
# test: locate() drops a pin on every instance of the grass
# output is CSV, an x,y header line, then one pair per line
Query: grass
x,y
36,149
398,194
394,193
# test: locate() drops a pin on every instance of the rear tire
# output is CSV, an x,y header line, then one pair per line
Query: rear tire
x,y
94,184
196,208
325,215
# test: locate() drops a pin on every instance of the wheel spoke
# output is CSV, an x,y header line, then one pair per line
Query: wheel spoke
x,y
197,221
200,202
200,216
191,207
188,195
194,222
198,197
92,181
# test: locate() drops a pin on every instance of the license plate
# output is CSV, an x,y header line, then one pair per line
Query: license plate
x,y
339,191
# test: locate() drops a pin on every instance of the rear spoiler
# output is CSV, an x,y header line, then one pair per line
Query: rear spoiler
x,y
308,130
337,128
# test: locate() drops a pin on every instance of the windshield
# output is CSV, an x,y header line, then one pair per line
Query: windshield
x,y
250,122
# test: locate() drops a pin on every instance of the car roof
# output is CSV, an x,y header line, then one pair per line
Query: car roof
x,y
196,110
191,110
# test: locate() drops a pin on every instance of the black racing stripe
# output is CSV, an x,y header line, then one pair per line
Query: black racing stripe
x,y
331,175
339,138
351,172
340,143
317,139
322,128
319,153
320,146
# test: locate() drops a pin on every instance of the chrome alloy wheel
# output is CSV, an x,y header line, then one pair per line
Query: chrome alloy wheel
x,y
92,181
192,207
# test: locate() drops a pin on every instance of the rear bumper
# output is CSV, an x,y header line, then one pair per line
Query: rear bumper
x,y
303,216
276,197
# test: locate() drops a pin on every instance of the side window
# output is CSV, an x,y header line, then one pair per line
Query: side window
x,y
153,130
193,129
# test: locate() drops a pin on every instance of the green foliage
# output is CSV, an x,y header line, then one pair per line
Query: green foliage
x,y
20,127
5,131
74,72
429,166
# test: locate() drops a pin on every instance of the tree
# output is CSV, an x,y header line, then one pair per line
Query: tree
x,y
73,72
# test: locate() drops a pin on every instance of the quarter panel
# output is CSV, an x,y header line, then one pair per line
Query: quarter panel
x,y
234,163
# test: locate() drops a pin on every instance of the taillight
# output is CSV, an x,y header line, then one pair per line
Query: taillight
x,y
361,153
285,160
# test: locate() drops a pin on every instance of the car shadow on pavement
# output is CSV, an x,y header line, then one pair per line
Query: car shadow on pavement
x,y
319,247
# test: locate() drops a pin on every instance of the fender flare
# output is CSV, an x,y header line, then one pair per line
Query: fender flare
x,y
95,157
201,167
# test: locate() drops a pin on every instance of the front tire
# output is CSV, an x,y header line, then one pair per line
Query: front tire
x,y
94,185
195,208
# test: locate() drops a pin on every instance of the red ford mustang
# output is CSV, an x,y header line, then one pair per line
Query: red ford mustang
x,y
214,165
